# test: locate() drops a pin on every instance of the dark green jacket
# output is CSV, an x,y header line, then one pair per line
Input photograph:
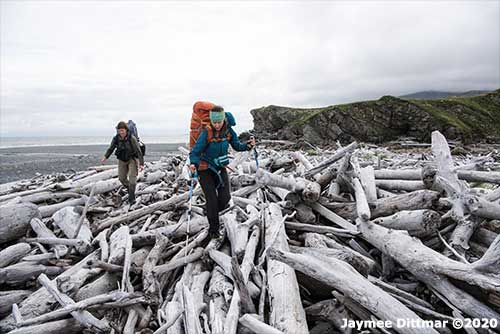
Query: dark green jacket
x,y
126,149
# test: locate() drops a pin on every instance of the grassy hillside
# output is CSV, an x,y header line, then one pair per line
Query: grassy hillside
x,y
470,119
471,115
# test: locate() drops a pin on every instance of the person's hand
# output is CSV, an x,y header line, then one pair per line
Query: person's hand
x,y
251,142
192,168
141,168
103,161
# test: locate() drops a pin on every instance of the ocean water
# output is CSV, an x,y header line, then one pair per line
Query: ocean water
x,y
15,142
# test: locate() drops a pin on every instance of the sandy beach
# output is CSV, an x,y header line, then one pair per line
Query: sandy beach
x,y
25,162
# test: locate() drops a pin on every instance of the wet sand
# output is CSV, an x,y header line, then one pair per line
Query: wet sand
x,y
25,162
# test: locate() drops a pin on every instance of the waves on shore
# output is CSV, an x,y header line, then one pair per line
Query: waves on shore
x,y
23,162
48,141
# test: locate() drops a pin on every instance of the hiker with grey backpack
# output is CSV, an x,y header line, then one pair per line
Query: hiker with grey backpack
x,y
210,136
130,158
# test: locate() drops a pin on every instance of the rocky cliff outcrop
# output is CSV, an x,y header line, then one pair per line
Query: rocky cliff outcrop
x,y
469,119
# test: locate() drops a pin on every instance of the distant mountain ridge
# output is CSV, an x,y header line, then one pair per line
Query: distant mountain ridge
x,y
434,94
469,119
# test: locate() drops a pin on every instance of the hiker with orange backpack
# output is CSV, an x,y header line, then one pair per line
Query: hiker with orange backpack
x,y
210,137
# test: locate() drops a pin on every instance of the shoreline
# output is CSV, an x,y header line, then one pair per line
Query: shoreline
x,y
31,146
18,163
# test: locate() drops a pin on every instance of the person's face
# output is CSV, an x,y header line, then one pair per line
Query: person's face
x,y
122,132
217,125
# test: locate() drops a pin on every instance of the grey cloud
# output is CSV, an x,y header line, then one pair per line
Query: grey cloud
x,y
67,64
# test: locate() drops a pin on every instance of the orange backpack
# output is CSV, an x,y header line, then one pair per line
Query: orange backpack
x,y
199,119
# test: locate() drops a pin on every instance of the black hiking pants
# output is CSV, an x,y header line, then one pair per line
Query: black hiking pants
x,y
217,198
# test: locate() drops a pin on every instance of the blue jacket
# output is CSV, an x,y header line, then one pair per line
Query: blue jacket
x,y
210,151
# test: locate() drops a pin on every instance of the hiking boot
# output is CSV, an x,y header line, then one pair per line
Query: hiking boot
x,y
213,234
131,194
213,241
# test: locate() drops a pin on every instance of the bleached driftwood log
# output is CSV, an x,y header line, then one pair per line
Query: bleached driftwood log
x,y
490,261
286,195
333,217
324,245
49,195
41,302
13,253
23,194
482,208
9,187
15,219
326,177
287,313
493,196
310,191
398,174
24,271
118,245
418,222
101,187
188,290
181,258
306,164
150,284
400,185
339,154
416,174
237,232
433,268
367,179
446,179
66,326
319,229
347,280
178,262
305,214
67,220
79,184
421,199
155,177
233,313
162,205
220,291
42,231
49,210
84,317
172,231
479,176
104,284
362,208
253,324
81,305
9,298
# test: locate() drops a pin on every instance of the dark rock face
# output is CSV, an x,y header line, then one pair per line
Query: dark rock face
x,y
383,120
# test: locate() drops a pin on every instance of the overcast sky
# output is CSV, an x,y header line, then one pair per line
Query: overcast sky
x,y
78,67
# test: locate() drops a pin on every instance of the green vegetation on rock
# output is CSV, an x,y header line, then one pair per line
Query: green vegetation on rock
x,y
470,119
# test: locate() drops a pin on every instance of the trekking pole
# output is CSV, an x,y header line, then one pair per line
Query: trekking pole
x,y
255,154
194,177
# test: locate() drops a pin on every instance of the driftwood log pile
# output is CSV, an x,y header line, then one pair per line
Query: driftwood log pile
x,y
309,242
